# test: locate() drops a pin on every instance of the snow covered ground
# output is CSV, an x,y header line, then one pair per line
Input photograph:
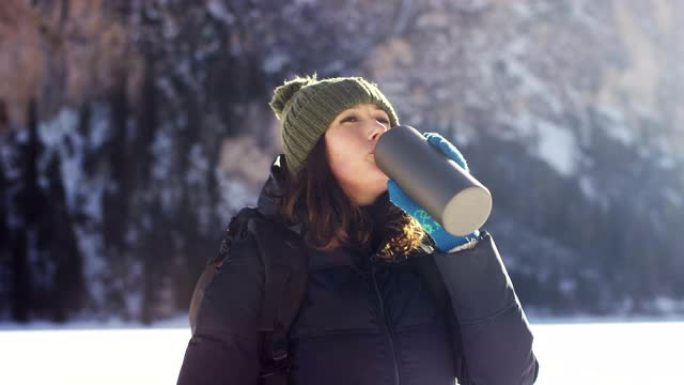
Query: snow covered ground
x,y
603,353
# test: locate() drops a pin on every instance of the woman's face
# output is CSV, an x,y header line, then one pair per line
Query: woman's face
x,y
350,141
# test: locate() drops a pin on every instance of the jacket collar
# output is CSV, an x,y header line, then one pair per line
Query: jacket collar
x,y
274,188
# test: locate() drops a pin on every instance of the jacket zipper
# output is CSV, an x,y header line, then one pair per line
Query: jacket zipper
x,y
387,325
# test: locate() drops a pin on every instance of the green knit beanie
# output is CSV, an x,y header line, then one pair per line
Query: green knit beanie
x,y
306,106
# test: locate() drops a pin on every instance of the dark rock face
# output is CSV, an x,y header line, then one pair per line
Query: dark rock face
x,y
130,131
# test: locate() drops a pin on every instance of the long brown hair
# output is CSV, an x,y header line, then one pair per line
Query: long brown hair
x,y
331,219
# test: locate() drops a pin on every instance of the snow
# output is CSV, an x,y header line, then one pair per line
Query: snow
x,y
91,243
162,150
199,166
235,194
75,357
218,10
54,134
588,188
275,62
612,121
674,197
624,353
609,353
557,146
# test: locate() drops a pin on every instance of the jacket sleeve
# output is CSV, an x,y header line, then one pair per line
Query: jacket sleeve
x,y
495,336
223,348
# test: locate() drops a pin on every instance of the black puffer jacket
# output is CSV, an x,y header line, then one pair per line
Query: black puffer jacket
x,y
365,321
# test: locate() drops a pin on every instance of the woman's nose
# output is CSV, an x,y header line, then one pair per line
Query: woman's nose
x,y
377,130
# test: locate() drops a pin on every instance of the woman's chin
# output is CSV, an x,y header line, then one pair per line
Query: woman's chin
x,y
380,180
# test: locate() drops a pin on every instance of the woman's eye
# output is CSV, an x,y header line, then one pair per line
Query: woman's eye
x,y
349,119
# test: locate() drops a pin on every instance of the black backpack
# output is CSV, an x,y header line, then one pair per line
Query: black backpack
x,y
285,260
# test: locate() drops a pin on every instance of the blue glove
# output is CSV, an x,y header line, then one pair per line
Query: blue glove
x,y
444,241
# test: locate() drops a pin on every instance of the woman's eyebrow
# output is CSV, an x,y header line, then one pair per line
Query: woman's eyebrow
x,y
357,110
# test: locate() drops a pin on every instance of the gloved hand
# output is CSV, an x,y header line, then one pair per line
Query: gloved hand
x,y
444,241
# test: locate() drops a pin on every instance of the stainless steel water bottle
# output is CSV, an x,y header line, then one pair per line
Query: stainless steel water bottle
x,y
453,197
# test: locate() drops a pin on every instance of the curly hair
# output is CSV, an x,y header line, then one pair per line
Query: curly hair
x,y
331,219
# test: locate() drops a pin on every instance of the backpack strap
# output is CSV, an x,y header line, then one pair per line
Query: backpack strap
x,y
236,230
285,260
425,264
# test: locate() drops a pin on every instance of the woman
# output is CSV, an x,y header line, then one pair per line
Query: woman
x,y
372,313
